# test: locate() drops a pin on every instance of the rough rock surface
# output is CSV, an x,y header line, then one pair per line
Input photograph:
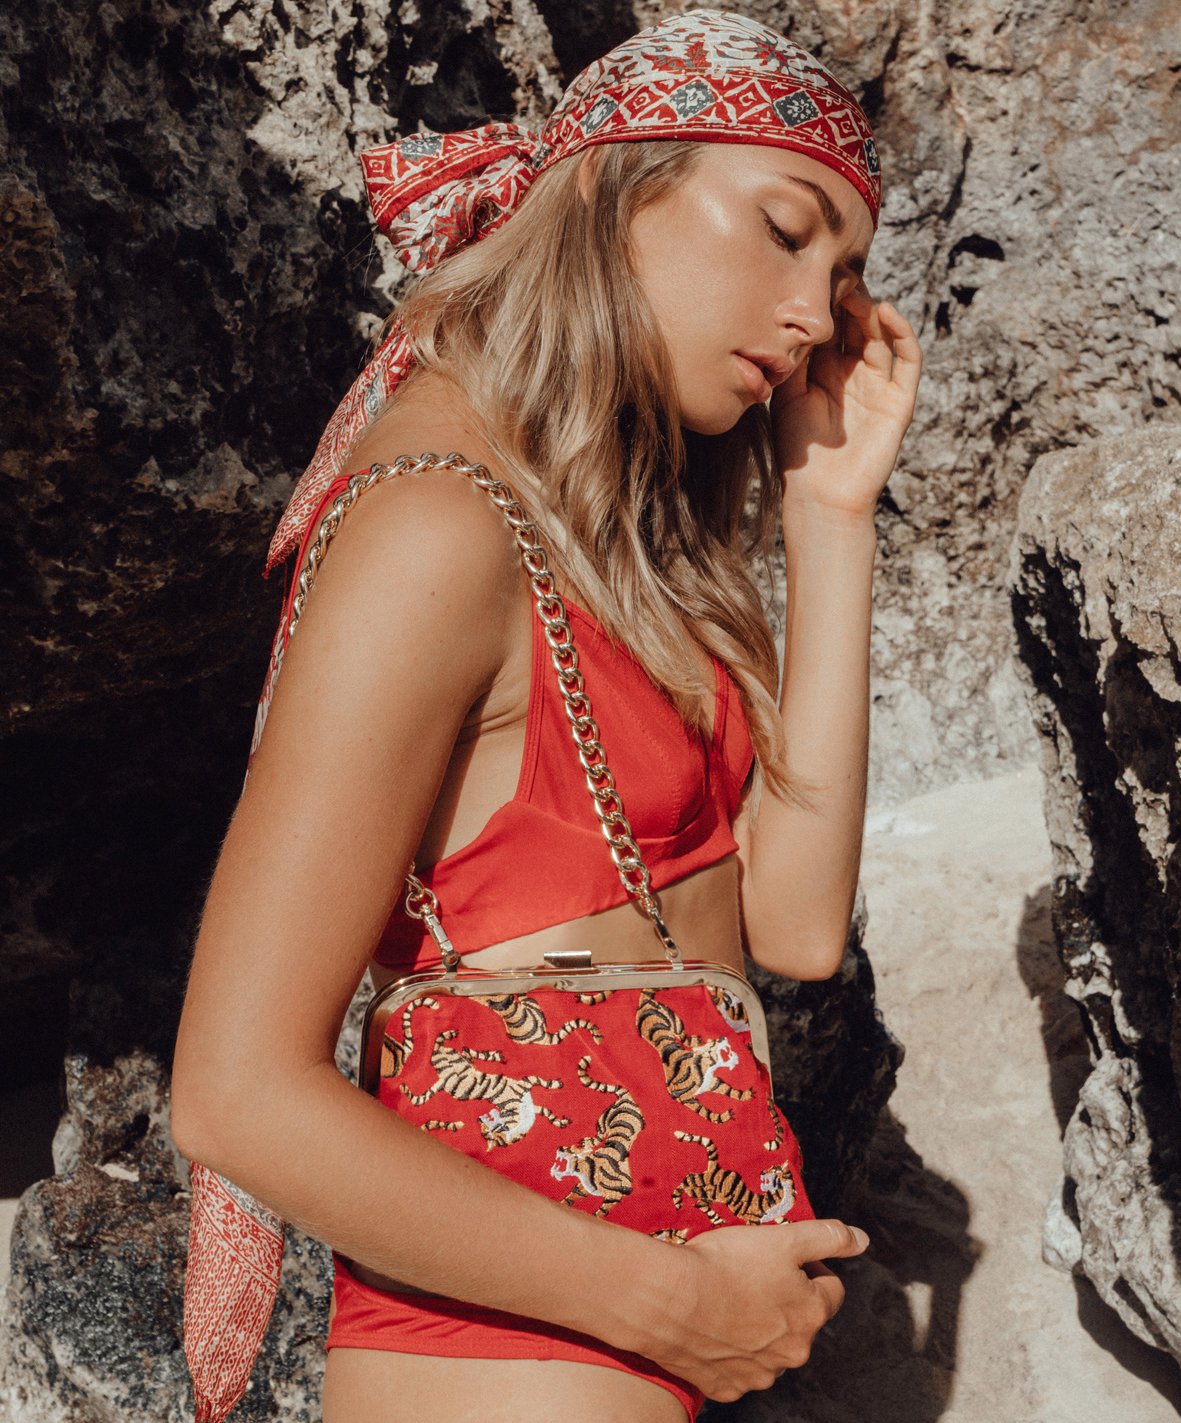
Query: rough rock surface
x,y
1097,603
186,285
950,1316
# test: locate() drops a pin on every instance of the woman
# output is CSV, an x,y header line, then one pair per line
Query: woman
x,y
608,352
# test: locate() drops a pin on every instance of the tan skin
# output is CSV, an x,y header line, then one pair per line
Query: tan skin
x,y
377,750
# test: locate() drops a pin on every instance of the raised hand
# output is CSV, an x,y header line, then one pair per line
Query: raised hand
x,y
839,418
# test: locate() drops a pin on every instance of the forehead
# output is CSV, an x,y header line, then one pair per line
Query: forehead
x,y
767,170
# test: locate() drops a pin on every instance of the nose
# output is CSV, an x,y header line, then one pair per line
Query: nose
x,y
808,306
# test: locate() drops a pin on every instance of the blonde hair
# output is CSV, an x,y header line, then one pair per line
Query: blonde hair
x,y
546,330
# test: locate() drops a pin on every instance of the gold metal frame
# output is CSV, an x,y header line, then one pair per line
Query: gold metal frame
x,y
470,982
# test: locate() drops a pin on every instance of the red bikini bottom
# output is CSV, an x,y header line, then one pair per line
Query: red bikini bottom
x,y
367,1318
672,1132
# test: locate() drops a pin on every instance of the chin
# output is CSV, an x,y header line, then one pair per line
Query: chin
x,y
719,421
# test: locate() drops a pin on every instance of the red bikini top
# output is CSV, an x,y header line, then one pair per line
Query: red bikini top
x,y
541,858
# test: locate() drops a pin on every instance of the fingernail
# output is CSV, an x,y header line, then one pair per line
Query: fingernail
x,y
862,1238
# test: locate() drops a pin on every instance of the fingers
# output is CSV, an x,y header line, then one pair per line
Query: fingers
x,y
908,354
763,1298
879,334
824,1239
830,1291
865,337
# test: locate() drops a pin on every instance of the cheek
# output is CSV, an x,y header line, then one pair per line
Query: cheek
x,y
702,313
689,268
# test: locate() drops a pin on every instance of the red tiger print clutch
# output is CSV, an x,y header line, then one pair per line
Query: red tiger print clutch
x,y
638,1092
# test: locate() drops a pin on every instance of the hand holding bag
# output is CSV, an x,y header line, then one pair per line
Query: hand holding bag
x,y
637,1091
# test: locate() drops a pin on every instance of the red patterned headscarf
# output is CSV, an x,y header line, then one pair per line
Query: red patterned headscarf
x,y
704,75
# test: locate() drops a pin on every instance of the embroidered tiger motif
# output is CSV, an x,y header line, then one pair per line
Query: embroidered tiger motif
x,y
599,996
691,1064
524,1020
395,1053
731,1007
777,1120
716,1185
674,1237
733,1010
513,1109
599,1162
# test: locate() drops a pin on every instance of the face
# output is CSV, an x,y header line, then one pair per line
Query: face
x,y
744,263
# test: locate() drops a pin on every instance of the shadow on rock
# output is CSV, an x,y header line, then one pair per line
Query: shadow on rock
x,y
875,1359
1063,1035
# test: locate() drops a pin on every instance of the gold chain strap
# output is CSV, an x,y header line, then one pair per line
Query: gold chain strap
x,y
421,902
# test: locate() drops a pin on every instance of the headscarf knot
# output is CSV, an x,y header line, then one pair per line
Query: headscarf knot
x,y
433,193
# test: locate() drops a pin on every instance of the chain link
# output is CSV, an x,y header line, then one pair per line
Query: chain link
x,y
420,901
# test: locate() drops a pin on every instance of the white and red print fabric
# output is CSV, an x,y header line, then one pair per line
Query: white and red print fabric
x,y
705,75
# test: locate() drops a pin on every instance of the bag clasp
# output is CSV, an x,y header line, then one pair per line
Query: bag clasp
x,y
568,958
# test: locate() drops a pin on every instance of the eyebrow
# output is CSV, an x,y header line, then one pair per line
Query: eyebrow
x,y
832,218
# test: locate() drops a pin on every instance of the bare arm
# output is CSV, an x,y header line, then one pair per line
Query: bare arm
x,y
800,866
838,422
403,631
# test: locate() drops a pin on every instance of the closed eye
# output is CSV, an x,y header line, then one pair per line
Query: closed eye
x,y
792,244
779,236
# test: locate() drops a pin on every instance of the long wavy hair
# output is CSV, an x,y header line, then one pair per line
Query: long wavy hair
x,y
545,328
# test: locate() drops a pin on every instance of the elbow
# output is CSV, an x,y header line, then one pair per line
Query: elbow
x,y
808,967
821,965
225,1118
806,961
190,1120
211,1118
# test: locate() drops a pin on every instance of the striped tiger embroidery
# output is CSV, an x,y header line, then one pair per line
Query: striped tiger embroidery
x,y
691,1064
717,1186
599,1162
513,1109
674,1237
524,1020
395,1053
733,1012
731,1008
777,1120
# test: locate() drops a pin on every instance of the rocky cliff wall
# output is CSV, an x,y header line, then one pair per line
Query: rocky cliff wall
x,y
187,283
1096,580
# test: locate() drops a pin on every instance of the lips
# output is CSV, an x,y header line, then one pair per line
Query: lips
x,y
753,377
775,369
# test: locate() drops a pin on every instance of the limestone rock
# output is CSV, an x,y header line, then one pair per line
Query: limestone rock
x,y
1097,605
187,283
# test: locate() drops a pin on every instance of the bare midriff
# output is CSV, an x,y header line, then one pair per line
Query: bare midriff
x,y
701,911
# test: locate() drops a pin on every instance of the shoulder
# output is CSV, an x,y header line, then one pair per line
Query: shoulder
x,y
428,517
431,543
423,557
